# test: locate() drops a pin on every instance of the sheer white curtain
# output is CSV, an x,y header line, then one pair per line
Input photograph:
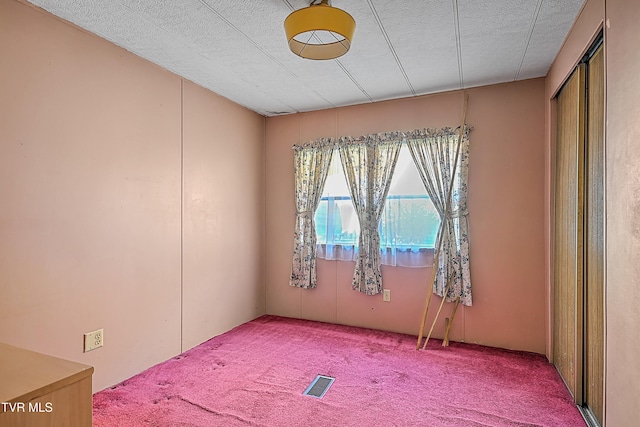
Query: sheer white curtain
x,y
434,154
311,165
368,164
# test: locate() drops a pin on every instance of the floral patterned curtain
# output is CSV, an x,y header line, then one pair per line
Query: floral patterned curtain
x,y
311,163
434,153
368,165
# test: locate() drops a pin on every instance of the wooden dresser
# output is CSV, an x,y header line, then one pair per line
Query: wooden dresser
x,y
39,390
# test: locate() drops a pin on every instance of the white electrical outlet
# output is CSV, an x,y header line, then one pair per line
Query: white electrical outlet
x,y
386,295
93,340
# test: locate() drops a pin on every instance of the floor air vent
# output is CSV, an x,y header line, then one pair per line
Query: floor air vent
x,y
319,386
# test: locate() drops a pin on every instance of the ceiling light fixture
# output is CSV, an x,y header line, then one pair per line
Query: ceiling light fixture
x,y
319,31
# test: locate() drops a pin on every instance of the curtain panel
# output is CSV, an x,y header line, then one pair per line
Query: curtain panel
x,y
434,153
368,164
311,165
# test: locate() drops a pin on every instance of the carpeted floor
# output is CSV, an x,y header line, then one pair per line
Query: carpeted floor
x,y
255,375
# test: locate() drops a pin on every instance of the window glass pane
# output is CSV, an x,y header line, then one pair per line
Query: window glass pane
x,y
321,222
336,219
409,219
406,179
336,184
346,227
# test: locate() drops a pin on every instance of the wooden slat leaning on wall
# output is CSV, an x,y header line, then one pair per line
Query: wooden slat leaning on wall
x,y
568,232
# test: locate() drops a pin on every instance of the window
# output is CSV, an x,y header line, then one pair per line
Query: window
x,y
336,219
409,221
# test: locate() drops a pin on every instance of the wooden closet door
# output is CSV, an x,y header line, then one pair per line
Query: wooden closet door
x,y
568,233
594,239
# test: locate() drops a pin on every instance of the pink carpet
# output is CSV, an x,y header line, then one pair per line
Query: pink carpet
x,y
255,375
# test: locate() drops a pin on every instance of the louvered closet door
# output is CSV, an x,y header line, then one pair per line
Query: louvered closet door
x,y
568,233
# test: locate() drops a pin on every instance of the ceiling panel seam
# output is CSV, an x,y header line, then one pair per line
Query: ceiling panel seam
x,y
257,46
456,22
391,48
355,82
534,20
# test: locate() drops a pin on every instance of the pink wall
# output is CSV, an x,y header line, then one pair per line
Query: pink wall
x,y
506,199
223,215
622,233
92,169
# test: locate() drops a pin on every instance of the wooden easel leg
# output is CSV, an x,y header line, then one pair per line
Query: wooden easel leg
x,y
444,297
424,316
445,341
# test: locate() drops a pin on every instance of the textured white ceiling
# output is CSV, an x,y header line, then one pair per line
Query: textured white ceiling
x,y
400,48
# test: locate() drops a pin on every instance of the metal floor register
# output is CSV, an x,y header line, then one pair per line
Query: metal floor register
x,y
319,386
